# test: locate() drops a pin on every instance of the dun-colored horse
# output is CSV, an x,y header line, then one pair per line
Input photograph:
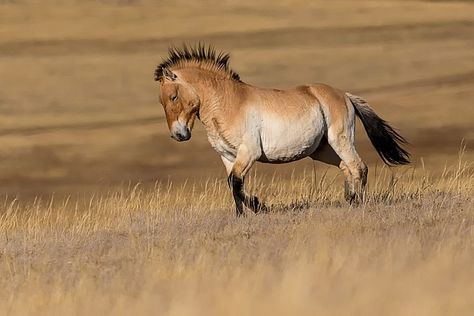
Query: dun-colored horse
x,y
246,124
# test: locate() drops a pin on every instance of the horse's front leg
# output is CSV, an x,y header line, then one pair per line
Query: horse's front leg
x,y
236,172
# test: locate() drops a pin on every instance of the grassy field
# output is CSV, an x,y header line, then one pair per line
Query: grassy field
x,y
180,251
102,213
79,109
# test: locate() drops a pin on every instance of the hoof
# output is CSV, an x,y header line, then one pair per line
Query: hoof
x,y
350,198
257,207
355,199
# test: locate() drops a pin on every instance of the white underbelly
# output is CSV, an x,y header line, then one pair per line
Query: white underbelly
x,y
286,140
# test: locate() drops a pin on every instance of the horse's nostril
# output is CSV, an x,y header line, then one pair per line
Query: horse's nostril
x,y
181,135
180,132
185,136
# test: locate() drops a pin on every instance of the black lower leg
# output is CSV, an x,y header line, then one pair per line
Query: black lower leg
x,y
236,185
255,205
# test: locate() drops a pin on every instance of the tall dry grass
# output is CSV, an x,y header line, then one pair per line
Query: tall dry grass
x,y
180,250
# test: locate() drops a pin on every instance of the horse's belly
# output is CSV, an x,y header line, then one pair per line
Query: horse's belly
x,y
284,141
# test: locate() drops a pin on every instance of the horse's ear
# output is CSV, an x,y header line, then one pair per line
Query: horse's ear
x,y
169,75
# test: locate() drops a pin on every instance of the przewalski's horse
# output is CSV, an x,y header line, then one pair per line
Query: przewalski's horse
x,y
246,124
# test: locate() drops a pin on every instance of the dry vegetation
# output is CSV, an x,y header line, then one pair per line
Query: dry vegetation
x,y
76,84
79,118
180,251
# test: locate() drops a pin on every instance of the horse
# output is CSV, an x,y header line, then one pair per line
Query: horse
x,y
245,123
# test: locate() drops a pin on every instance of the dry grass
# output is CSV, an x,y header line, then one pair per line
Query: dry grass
x,y
76,85
79,116
180,251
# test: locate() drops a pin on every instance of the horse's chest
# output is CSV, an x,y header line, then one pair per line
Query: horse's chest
x,y
221,145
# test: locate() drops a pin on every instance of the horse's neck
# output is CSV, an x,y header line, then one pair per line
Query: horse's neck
x,y
218,101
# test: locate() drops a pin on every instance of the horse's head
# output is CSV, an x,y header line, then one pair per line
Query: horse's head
x,y
181,104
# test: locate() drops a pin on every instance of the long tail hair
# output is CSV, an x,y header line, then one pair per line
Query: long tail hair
x,y
386,140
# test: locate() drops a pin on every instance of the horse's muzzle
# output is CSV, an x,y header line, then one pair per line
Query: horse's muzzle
x,y
180,132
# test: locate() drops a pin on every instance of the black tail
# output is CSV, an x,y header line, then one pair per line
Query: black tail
x,y
384,138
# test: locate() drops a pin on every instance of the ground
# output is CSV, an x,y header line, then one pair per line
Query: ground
x,y
104,213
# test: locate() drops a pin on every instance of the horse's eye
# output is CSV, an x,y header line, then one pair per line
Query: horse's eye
x,y
174,97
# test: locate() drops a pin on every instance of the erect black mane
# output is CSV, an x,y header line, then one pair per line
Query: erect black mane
x,y
199,53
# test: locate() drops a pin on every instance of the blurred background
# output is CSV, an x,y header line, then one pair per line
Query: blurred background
x,y
79,110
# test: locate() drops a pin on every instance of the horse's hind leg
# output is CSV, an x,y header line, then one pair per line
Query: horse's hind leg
x,y
341,139
326,154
